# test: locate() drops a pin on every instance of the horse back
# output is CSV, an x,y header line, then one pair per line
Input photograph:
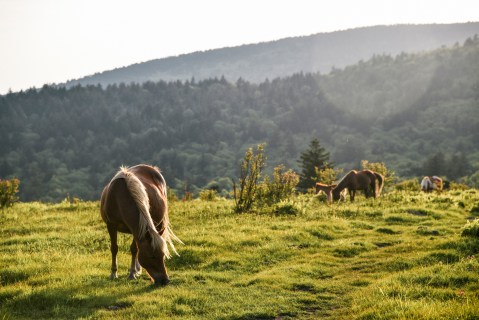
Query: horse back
x,y
155,186
118,206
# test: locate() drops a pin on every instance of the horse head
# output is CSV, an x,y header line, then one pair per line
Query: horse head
x,y
152,259
336,193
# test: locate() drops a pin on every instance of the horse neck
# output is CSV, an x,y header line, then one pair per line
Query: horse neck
x,y
344,181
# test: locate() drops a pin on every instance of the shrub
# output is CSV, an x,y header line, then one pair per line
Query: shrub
x,y
281,187
8,191
327,175
251,168
380,167
208,195
407,185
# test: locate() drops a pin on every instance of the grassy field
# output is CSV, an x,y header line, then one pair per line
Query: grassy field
x,y
398,257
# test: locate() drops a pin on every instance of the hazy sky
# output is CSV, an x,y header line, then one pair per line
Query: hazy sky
x,y
52,41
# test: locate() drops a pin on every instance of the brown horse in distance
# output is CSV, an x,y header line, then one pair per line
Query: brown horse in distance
x,y
135,202
356,180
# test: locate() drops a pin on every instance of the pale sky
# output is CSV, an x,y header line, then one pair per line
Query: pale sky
x,y
52,41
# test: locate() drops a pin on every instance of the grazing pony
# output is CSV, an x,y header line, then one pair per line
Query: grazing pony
x,y
431,183
437,183
328,190
426,184
135,202
363,180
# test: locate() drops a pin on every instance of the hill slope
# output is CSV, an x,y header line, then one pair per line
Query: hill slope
x,y
314,53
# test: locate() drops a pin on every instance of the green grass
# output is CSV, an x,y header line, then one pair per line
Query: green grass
x,y
398,257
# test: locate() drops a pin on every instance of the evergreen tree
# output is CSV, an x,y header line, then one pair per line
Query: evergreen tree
x,y
315,158
458,166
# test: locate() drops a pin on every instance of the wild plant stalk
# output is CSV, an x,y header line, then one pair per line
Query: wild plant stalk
x,y
251,168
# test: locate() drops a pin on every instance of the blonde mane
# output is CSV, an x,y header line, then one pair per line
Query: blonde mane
x,y
146,223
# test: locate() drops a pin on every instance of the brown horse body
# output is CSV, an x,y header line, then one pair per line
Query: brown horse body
x,y
357,180
135,202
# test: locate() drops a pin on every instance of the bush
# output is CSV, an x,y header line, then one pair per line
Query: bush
x,y
251,168
408,185
327,175
208,195
380,167
281,187
8,191
471,229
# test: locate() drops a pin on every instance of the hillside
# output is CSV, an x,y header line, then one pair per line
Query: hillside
x,y
315,53
60,141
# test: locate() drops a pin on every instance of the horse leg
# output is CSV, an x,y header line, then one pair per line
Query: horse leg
x,y
366,192
135,268
114,251
352,194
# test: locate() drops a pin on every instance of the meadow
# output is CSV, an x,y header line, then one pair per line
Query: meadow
x,y
401,256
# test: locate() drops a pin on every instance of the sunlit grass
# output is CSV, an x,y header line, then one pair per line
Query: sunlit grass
x,y
401,256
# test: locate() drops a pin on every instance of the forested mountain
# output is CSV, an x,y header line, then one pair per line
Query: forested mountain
x,y
308,54
407,111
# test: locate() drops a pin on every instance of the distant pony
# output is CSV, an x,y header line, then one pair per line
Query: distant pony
x,y
328,190
426,184
357,180
431,183
135,202
437,182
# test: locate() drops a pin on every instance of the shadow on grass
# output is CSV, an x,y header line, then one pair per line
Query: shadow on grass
x,y
79,301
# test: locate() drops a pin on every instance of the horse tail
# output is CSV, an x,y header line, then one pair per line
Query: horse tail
x,y
426,184
140,196
423,184
380,186
168,234
373,184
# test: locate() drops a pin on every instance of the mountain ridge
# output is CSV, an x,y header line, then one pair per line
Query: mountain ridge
x,y
320,52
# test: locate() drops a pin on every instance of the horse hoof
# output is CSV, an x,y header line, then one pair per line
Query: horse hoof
x,y
134,276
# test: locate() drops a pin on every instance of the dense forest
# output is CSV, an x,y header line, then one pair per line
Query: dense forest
x,y
417,113
281,58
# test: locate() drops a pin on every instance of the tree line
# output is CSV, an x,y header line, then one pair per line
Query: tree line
x,y
60,141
